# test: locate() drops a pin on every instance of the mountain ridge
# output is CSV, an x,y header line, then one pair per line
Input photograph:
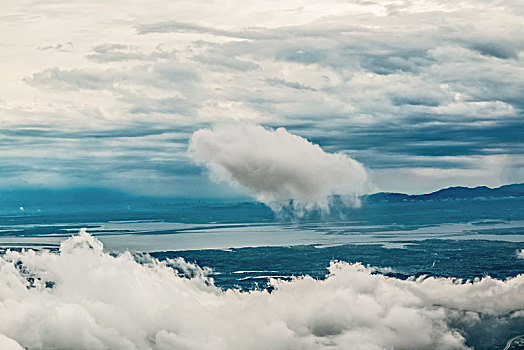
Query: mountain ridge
x,y
452,193
108,197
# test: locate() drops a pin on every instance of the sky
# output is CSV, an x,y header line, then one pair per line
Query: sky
x,y
423,94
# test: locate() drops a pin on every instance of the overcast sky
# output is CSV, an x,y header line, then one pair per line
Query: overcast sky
x,y
425,94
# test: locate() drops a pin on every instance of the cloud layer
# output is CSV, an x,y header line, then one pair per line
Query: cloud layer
x,y
431,89
83,297
276,166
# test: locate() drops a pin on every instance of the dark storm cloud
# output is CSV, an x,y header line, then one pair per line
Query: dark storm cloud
x,y
223,62
53,133
121,53
289,84
180,27
51,157
424,119
70,79
498,50
161,75
174,26
397,62
403,144
415,101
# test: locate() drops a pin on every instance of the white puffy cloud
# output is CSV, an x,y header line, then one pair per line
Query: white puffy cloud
x,y
9,344
83,298
276,166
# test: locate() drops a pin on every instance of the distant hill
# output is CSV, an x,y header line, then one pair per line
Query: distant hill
x,y
452,193
102,199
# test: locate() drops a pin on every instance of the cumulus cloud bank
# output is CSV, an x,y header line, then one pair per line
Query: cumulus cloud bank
x,y
276,166
84,298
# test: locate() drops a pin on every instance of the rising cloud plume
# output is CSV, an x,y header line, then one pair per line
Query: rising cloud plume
x,y
276,166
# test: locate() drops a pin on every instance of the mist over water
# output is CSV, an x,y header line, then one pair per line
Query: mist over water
x,y
83,297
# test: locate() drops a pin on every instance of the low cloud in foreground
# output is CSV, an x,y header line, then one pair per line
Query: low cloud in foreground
x,y
276,166
85,298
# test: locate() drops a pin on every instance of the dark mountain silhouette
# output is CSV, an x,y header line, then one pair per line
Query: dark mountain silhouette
x,y
452,193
